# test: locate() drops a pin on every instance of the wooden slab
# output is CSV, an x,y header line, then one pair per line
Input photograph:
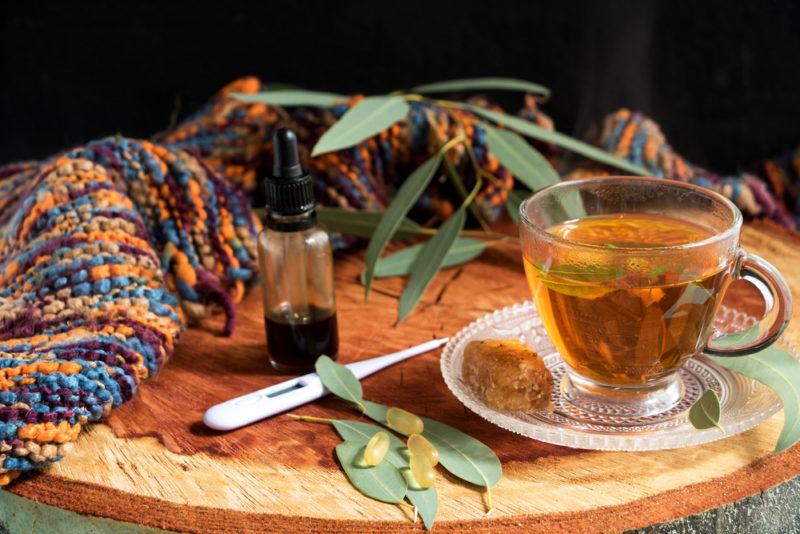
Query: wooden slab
x,y
156,465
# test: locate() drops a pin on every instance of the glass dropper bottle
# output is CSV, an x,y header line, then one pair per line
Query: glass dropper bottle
x,y
296,265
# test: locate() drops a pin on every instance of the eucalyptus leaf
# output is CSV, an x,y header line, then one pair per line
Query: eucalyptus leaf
x,y
778,370
429,261
292,97
384,482
471,84
535,131
513,202
363,223
426,501
359,432
706,411
404,200
524,161
367,118
463,250
571,202
375,411
463,456
738,338
339,380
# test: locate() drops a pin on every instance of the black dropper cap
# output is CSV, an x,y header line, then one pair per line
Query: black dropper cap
x,y
289,190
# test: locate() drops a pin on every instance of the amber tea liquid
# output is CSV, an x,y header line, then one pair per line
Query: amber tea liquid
x,y
634,319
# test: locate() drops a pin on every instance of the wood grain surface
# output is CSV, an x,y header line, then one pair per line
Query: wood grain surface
x,y
156,465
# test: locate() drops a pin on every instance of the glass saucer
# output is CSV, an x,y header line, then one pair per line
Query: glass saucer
x,y
745,402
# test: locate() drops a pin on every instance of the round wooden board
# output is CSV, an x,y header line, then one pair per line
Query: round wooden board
x,y
155,464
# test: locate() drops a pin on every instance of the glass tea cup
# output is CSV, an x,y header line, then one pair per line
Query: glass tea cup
x,y
627,274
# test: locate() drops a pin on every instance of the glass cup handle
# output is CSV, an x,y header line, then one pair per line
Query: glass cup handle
x,y
778,301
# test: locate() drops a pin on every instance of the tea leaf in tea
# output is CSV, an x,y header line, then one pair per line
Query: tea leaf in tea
x,y
367,118
778,370
339,380
403,201
384,482
430,259
463,250
705,412
363,223
535,131
583,272
577,280
462,455
695,294
519,157
298,97
469,84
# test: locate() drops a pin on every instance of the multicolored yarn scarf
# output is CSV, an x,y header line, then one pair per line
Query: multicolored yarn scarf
x,y
106,250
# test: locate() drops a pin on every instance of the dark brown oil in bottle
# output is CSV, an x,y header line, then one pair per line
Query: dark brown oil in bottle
x,y
296,345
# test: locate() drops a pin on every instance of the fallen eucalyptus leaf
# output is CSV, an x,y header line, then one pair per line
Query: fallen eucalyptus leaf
x,y
404,200
399,263
384,482
295,97
467,458
535,131
470,84
358,432
463,456
367,118
778,370
362,223
429,261
706,411
375,411
339,380
426,500
520,158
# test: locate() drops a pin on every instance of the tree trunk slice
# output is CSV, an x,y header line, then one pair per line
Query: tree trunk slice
x,y
156,465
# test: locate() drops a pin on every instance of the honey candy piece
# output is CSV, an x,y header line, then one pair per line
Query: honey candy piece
x,y
419,446
422,471
403,422
376,449
507,375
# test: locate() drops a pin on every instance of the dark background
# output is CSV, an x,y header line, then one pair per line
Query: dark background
x,y
722,78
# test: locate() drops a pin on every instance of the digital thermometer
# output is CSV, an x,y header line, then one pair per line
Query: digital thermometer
x,y
286,395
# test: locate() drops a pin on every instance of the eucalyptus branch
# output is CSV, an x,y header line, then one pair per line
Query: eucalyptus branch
x,y
462,191
475,190
480,170
455,177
